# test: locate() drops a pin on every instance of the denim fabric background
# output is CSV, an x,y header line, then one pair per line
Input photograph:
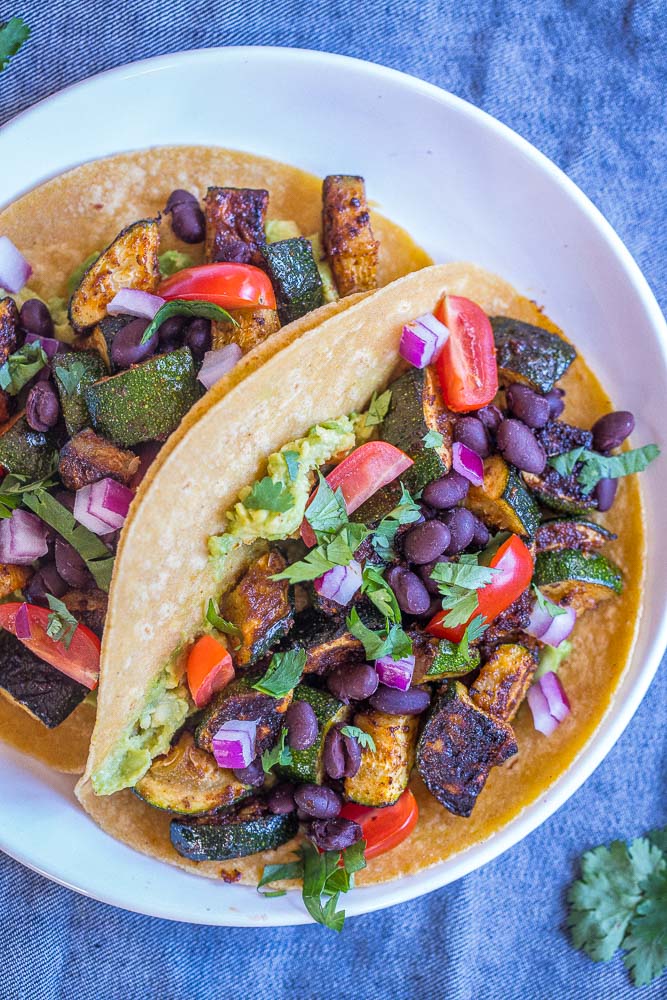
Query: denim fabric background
x,y
585,81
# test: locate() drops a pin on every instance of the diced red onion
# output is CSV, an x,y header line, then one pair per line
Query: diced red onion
x,y
133,302
22,623
548,703
234,743
340,583
396,673
14,268
551,630
48,344
468,463
102,507
218,363
422,340
23,538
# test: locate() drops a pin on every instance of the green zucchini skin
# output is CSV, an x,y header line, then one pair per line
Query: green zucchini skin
x,y
450,661
307,766
503,500
144,403
530,354
416,408
295,277
378,506
559,566
73,405
26,452
44,692
232,835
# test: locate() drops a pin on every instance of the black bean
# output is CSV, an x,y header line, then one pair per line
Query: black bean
x,y
528,405
427,512
66,498
446,492
491,416
42,407
179,197
301,723
352,682
352,756
520,447
71,566
425,574
127,348
395,702
334,834
170,333
280,800
188,223
610,431
472,432
318,801
35,317
605,493
411,594
481,537
45,581
333,755
253,774
198,337
461,523
425,542
434,607
556,403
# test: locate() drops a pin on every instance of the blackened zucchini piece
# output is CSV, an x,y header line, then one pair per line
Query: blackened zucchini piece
x,y
44,692
307,766
9,327
89,607
561,493
295,277
131,261
252,327
529,354
384,772
574,578
502,501
378,506
260,607
247,830
188,781
73,371
26,452
513,619
348,239
572,533
235,219
240,701
144,403
557,437
325,638
458,747
503,681
87,458
416,408
440,659
13,578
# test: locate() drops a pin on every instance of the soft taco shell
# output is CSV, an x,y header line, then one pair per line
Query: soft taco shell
x,y
164,570
60,223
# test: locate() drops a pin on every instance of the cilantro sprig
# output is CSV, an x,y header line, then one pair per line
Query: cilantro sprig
x,y
458,584
378,408
595,467
13,34
61,624
433,439
22,366
266,494
15,486
363,738
70,378
283,673
279,754
406,511
389,641
378,591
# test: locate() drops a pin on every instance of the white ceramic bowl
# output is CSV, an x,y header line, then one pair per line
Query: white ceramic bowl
x,y
467,188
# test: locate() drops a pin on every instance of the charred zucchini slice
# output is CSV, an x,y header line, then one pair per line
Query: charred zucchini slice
x,y
443,659
248,830
13,578
144,403
239,700
295,277
572,533
561,493
87,458
26,452
503,681
416,408
253,326
44,692
570,577
458,747
384,772
235,219
9,325
307,765
378,506
325,637
261,608
503,501
73,371
348,237
189,782
131,261
529,354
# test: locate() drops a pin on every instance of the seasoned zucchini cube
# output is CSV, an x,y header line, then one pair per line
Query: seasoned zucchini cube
x,y
246,830
348,237
239,700
325,638
235,219
261,608
307,766
91,368
530,354
9,325
502,501
295,277
44,692
384,772
571,533
564,494
576,579
13,578
440,659
503,681
416,408
87,458
26,452
252,327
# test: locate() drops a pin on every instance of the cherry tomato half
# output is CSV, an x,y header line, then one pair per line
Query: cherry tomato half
x,y
515,563
81,661
232,286
467,363
209,669
361,474
384,828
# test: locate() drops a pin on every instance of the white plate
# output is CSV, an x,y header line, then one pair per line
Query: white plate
x,y
467,188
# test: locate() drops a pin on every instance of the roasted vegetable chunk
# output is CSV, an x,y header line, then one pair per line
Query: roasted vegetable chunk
x,y
458,747
384,772
240,701
73,371
9,326
349,243
131,261
295,277
529,354
87,458
89,606
416,408
26,452
307,765
13,578
502,501
235,220
562,493
247,830
252,327
503,681
571,533
325,638
261,608
440,659
44,692
577,580
512,619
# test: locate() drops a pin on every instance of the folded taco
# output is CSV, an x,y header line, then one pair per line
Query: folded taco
x,y
130,286
376,599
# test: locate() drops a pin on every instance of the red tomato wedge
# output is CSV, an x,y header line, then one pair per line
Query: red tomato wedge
x,y
515,563
384,828
209,669
467,363
81,661
361,474
232,286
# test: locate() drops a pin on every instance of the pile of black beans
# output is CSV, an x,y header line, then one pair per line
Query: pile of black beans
x,y
42,405
187,218
178,331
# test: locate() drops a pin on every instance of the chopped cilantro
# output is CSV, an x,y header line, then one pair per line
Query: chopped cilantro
x,y
183,307
283,673
595,467
22,366
407,511
70,378
433,439
279,754
363,738
77,274
458,584
337,552
14,486
475,630
61,624
378,408
172,261
13,34
292,463
214,618
326,513
390,641
380,593
266,494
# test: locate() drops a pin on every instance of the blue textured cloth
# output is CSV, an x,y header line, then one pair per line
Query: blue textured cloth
x,y
585,82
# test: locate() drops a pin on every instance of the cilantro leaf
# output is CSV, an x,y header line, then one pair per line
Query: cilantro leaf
x,y
327,512
61,624
363,738
280,873
172,261
646,941
214,618
566,463
380,593
475,630
596,467
184,307
13,34
433,439
70,378
283,673
546,605
279,754
77,274
460,608
466,574
269,495
22,366
407,511
392,641
14,486
659,839
378,408
318,561
292,463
